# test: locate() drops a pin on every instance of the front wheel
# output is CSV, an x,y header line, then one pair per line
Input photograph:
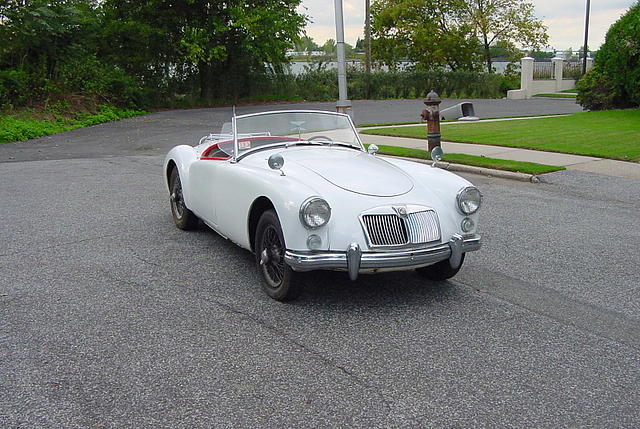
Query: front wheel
x,y
182,216
277,277
440,271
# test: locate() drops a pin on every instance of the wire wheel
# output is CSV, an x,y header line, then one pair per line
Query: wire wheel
x,y
277,277
272,257
177,200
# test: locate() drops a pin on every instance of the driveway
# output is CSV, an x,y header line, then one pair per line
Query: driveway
x,y
111,317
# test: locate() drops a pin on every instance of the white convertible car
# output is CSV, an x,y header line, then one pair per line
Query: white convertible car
x,y
299,190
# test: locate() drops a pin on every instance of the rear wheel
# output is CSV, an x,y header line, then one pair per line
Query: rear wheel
x,y
440,271
277,277
182,216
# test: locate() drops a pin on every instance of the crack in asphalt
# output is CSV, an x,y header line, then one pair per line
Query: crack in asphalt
x,y
318,356
53,246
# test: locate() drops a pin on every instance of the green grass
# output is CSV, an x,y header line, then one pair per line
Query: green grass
x,y
557,95
613,134
32,124
570,91
476,161
389,124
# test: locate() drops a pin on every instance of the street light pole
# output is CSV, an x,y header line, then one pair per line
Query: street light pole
x,y
586,38
343,105
367,36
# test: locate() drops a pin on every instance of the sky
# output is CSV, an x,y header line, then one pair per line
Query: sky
x,y
564,19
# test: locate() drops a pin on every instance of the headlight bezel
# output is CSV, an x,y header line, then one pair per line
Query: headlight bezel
x,y
306,205
463,196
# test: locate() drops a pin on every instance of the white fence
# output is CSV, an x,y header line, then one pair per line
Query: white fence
x,y
543,78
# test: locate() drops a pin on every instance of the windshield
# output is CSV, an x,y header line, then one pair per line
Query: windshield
x,y
273,128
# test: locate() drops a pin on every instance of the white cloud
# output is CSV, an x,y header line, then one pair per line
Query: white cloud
x,y
565,20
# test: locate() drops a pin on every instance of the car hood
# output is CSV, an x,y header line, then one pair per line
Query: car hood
x,y
354,171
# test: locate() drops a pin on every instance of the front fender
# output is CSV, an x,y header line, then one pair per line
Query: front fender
x,y
182,156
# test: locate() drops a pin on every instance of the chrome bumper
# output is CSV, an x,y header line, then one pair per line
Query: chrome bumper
x,y
354,260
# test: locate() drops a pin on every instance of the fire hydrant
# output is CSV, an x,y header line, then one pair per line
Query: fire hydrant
x,y
432,115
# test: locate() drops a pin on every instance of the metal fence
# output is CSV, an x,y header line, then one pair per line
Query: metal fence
x,y
543,70
571,70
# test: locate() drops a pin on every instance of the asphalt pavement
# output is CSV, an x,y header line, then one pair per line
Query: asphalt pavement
x,y
111,317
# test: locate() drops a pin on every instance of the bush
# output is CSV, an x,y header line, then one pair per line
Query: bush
x,y
596,91
14,87
617,67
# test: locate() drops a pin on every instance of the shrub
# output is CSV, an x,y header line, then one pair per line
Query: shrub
x,y
615,79
596,91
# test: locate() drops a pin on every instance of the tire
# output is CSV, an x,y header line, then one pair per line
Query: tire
x,y
440,271
277,277
182,216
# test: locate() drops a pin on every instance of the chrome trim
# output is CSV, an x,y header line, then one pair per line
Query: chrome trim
x,y
354,258
407,259
456,251
400,230
459,195
304,205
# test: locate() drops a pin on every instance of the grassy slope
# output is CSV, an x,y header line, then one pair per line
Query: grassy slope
x,y
477,161
611,134
31,124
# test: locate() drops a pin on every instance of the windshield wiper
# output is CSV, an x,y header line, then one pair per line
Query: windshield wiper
x,y
344,145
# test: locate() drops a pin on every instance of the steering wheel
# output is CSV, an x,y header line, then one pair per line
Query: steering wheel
x,y
322,138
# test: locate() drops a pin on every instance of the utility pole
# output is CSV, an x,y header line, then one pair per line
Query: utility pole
x,y
343,105
586,38
367,36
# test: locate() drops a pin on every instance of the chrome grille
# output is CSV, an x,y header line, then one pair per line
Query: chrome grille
x,y
393,230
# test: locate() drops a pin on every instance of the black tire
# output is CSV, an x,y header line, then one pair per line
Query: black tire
x,y
277,277
440,271
182,216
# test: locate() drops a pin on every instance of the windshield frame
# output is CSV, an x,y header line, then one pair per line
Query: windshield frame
x,y
234,126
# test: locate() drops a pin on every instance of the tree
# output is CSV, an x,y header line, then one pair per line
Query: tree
x,y
329,47
431,33
505,20
614,81
306,44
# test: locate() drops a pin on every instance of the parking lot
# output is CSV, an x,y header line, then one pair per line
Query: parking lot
x,y
112,317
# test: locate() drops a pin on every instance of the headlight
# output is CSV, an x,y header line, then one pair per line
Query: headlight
x,y
315,212
469,200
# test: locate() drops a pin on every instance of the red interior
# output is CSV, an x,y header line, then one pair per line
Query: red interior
x,y
213,152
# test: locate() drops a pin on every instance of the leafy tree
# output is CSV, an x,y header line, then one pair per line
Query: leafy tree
x,y
432,33
614,80
505,20
329,47
306,44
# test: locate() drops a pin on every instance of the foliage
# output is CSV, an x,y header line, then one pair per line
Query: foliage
x,y
455,33
507,21
615,78
431,33
28,126
596,91
611,134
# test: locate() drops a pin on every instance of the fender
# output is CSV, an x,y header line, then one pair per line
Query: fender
x,y
182,156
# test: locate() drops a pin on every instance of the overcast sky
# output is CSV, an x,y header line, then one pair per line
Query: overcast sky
x,y
564,19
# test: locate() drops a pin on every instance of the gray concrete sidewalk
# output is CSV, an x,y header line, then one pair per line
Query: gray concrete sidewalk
x,y
608,167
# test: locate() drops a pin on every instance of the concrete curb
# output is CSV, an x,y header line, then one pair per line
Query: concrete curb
x,y
512,175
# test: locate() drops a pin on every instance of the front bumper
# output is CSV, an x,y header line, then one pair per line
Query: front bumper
x,y
355,261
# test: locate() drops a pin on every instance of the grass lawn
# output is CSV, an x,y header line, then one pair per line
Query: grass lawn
x,y
28,124
557,95
613,134
477,161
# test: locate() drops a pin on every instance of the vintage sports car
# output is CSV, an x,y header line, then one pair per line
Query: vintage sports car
x,y
299,190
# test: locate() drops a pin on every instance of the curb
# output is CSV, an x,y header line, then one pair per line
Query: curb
x,y
512,175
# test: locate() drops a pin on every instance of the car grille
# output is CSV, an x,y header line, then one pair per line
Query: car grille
x,y
393,230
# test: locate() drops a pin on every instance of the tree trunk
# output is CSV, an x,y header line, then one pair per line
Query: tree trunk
x,y
487,53
204,71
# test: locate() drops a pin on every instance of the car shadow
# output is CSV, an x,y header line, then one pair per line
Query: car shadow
x,y
320,289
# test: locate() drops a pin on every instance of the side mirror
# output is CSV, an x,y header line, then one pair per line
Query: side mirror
x,y
436,155
276,162
372,149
